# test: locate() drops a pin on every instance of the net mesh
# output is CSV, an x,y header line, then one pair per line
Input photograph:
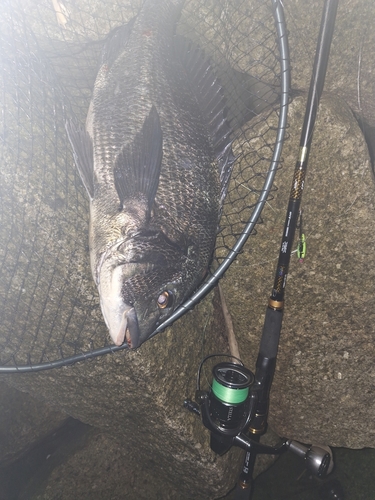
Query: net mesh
x,y
50,52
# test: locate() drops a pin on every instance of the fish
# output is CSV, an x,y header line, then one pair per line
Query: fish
x,y
155,157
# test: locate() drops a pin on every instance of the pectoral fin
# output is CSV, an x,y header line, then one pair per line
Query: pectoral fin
x,y
137,167
115,42
81,143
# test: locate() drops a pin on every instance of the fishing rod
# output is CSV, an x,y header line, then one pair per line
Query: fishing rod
x,y
235,410
266,362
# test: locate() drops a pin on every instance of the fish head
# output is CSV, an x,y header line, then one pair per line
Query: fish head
x,y
154,296
137,295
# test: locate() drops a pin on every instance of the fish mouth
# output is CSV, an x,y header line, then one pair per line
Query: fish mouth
x,y
128,330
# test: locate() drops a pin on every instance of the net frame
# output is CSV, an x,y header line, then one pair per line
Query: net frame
x,y
219,271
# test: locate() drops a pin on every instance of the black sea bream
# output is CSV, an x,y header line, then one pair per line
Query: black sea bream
x,y
155,159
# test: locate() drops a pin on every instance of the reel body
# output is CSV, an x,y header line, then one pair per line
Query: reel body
x,y
228,408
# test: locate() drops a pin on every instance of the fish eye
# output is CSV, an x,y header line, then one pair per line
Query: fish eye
x,y
165,299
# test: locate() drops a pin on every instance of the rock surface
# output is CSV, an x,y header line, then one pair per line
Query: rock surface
x,y
350,70
23,420
323,387
324,381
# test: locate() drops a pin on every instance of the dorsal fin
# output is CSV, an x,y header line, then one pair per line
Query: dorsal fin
x,y
210,96
137,167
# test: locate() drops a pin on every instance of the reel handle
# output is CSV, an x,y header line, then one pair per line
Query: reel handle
x,y
318,458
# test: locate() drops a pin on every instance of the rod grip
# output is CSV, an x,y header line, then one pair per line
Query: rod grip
x,y
271,333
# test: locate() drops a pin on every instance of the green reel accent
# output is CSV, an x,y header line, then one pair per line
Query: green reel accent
x,y
228,395
301,248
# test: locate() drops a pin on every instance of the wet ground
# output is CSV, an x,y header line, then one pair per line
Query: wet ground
x,y
45,455
24,478
78,461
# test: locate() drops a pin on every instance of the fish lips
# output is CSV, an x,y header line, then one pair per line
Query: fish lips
x,y
120,316
129,329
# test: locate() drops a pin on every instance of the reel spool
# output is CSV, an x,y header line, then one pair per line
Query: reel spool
x,y
227,408
229,394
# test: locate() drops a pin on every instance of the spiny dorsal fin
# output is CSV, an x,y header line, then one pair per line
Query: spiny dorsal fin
x,y
81,143
210,96
137,167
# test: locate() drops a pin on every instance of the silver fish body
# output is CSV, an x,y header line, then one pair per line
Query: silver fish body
x,y
155,159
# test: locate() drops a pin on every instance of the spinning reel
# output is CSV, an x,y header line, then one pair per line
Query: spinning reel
x,y
228,409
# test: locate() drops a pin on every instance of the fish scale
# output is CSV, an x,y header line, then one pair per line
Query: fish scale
x,y
160,166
